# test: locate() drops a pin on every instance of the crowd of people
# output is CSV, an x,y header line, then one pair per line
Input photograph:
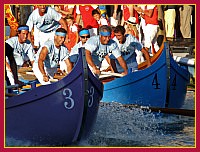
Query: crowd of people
x,y
124,35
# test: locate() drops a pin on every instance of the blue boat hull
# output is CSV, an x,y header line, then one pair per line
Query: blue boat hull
x,y
163,84
179,79
57,114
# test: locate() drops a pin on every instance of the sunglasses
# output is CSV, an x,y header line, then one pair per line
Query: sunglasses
x,y
85,36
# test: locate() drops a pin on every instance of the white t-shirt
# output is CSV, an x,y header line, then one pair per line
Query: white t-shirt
x,y
99,51
128,49
22,52
75,52
53,57
46,23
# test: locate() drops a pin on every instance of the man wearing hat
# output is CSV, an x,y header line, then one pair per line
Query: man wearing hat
x,y
49,55
23,51
84,35
100,47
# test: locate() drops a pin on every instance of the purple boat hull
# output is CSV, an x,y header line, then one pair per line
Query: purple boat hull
x,y
57,114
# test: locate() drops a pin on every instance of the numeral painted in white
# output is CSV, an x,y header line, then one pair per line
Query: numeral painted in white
x,y
69,103
91,96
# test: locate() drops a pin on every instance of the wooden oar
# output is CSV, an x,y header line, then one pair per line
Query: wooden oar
x,y
25,69
27,76
29,86
112,74
30,73
183,112
53,80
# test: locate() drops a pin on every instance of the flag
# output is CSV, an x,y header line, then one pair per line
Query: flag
x,y
11,19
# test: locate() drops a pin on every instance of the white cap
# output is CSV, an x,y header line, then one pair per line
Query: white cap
x,y
131,20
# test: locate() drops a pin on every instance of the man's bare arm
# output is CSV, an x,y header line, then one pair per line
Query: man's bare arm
x,y
90,62
41,59
123,64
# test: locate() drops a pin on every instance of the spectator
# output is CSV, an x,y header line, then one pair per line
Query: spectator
x,y
185,20
72,32
150,14
88,21
103,11
64,9
129,13
131,27
97,16
161,32
114,19
45,20
169,18
142,24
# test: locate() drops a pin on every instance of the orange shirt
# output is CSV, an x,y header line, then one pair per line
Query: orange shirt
x,y
154,18
126,13
72,36
88,20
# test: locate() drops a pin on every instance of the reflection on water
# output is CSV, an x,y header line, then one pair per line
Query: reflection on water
x,y
120,126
